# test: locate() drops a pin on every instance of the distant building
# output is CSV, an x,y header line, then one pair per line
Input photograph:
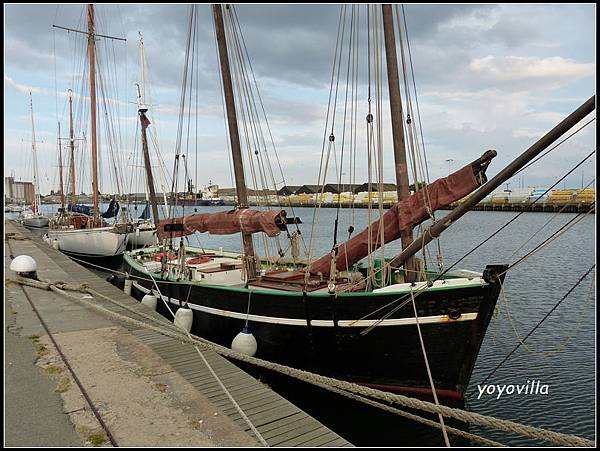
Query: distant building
x,y
288,190
17,191
333,188
8,189
374,187
315,189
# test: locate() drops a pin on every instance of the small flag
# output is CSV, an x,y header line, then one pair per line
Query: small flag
x,y
145,120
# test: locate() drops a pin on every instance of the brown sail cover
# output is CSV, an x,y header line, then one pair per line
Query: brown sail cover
x,y
226,223
402,215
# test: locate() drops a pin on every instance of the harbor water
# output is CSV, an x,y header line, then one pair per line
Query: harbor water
x,y
560,354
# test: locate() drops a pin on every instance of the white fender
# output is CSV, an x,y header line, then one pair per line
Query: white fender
x,y
245,343
149,300
184,318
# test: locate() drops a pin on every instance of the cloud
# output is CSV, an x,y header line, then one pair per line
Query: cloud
x,y
550,72
487,75
21,87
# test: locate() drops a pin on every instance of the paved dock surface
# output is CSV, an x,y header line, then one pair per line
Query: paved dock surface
x,y
149,389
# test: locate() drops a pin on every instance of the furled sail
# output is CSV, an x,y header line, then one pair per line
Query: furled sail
x,y
146,213
76,208
271,222
111,211
408,213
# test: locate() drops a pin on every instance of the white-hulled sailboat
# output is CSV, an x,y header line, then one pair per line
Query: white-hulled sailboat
x,y
82,231
32,217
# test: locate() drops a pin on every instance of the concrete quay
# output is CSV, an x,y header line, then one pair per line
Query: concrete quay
x,y
76,377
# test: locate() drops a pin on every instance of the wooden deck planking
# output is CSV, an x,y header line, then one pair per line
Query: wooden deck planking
x,y
287,430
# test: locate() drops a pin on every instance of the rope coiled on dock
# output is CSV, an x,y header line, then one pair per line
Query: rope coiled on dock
x,y
315,379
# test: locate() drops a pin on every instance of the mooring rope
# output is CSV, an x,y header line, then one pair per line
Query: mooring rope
x,y
328,382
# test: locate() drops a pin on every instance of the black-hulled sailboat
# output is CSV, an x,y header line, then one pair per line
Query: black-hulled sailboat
x,y
330,316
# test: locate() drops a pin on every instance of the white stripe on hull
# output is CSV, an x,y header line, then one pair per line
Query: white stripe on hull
x,y
436,319
99,242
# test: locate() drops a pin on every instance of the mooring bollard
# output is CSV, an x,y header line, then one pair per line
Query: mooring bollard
x,y
127,287
24,266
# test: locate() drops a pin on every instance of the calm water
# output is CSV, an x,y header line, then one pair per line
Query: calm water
x,y
560,354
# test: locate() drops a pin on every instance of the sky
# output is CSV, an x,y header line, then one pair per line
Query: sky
x,y
494,76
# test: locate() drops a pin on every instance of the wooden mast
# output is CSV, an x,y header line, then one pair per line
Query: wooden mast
x,y
91,47
72,146
144,124
238,167
60,171
397,128
91,34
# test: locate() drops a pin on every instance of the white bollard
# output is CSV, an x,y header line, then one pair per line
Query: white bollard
x,y
150,301
127,287
184,318
56,244
24,266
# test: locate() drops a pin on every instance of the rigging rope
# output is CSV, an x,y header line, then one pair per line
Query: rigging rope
x,y
545,224
538,324
433,391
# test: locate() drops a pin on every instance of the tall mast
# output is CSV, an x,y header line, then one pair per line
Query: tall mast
x,y
72,146
238,168
144,123
397,128
36,202
92,47
91,34
60,171
142,59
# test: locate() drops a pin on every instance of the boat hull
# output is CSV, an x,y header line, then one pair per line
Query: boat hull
x,y
318,333
36,221
98,242
142,236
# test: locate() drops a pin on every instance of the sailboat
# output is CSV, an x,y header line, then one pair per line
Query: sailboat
x,y
329,315
81,230
32,217
144,228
